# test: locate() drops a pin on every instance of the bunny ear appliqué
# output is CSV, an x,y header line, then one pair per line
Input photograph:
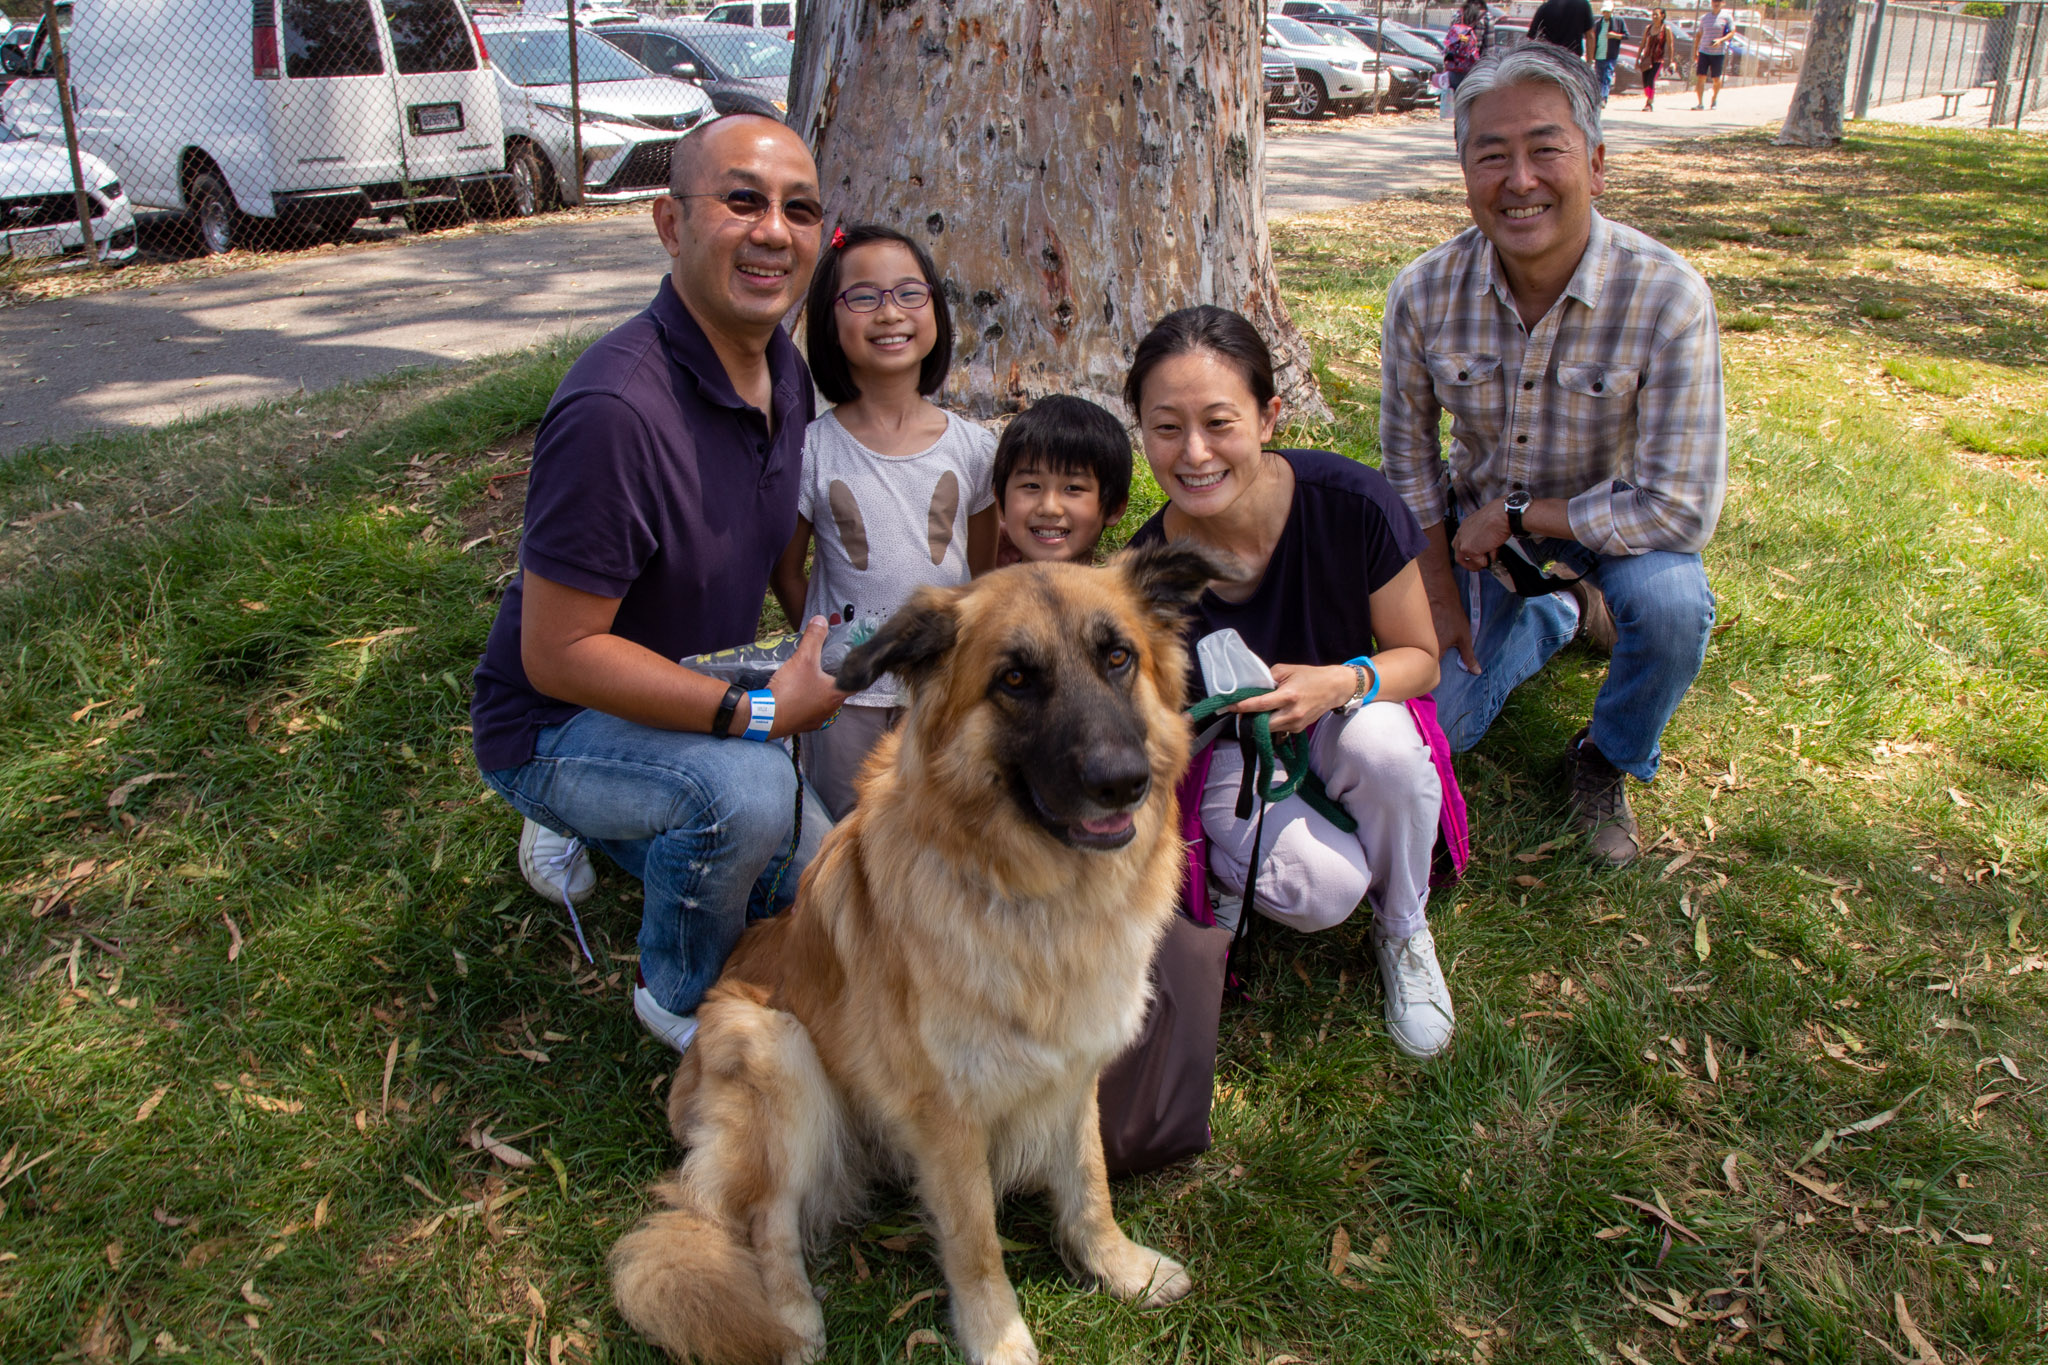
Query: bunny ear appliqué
x,y
939,522
853,532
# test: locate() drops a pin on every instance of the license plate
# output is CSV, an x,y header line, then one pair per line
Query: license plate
x,y
437,118
47,243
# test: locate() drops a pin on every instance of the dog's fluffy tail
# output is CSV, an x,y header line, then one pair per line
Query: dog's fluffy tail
x,y
687,1284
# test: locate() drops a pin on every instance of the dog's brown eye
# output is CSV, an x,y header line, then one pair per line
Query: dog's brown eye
x,y
1119,656
1014,678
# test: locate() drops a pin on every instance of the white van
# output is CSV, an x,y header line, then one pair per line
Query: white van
x,y
311,112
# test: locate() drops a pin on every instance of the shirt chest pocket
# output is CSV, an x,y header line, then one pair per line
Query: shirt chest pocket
x,y
1597,400
1469,387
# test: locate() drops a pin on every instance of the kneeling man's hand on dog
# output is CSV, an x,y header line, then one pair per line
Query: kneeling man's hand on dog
x,y
1304,696
805,696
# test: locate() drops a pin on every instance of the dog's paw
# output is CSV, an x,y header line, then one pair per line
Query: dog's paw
x,y
1139,1272
1013,1347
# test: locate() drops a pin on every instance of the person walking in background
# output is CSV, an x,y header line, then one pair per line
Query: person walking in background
x,y
1478,16
1603,46
1462,46
1710,52
1562,22
1653,52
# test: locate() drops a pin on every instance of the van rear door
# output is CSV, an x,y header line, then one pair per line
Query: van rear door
x,y
332,121
447,99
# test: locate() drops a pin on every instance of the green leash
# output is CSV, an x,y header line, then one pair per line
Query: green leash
x,y
1291,749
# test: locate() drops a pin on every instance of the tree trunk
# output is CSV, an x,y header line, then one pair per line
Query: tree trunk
x,y
1815,118
1078,168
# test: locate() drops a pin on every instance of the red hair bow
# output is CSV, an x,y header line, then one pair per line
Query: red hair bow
x,y
838,237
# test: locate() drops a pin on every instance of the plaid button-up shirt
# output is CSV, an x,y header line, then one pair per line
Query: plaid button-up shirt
x,y
1613,399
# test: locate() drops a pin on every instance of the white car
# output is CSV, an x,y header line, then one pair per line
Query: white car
x,y
39,210
1332,77
777,16
632,118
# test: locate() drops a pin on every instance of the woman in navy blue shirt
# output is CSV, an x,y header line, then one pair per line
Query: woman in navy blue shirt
x,y
1326,590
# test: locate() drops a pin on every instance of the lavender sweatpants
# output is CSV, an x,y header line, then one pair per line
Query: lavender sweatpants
x,y
1312,875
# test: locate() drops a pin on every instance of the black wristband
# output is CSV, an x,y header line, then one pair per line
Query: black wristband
x,y
721,724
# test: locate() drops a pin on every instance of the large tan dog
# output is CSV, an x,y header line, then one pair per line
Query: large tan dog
x,y
965,954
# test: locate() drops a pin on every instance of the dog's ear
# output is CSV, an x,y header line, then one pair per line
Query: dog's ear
x,y
1169,575
910,644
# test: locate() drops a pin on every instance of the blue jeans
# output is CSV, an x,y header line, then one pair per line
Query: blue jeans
x,y
704,824
1663,614
1605,67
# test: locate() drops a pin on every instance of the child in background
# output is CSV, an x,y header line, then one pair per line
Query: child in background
x,y
895,489
1062,476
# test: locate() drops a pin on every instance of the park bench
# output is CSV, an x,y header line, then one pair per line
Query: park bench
x,y
1952,100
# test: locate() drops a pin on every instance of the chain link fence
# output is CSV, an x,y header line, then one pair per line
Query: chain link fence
x,y
176,127
1925,63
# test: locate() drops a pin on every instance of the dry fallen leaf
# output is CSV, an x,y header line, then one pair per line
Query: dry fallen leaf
x,y
1524,879
390,1061
903,1242
251,1297
1340,1250
148,1106
119,796
861,1273
1986,1101
1728,1174
1975,1239
112,1251
234,936
1920,1344
481,1139
1618,1230
320,1212
1702,946
923,1336
896,1314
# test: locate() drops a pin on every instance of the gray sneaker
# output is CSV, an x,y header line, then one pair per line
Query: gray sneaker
x,y
1599,803
1419,1015
555,866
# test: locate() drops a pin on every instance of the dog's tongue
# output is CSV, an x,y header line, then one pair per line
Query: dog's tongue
x,y
1108,824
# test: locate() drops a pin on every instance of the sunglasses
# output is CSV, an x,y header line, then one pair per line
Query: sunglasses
x,y
865,298
753,205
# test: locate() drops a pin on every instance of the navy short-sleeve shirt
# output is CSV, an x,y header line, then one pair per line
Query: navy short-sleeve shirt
x,y
1347,535
653,482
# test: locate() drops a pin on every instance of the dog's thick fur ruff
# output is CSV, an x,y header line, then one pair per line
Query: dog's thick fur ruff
x,y
966,953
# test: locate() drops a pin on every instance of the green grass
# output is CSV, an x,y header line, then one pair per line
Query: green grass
x,y
1787,227
2018,435
280,609
1949,378
1745,322
1882,310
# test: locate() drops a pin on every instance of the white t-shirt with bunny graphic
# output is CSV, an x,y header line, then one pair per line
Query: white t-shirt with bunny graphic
x,y
884,525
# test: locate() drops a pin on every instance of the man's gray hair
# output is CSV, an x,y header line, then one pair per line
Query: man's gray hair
x,y
1532,63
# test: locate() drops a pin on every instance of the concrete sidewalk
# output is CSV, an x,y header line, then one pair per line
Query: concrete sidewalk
x,y
1308,172
136,358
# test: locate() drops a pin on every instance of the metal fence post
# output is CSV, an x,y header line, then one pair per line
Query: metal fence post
x,y
1870,37
575,103
60,68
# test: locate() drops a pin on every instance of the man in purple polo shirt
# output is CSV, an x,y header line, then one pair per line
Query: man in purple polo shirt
x,y
664,486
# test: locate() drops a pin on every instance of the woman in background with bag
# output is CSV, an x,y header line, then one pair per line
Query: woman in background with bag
x,y
1652,53
1328,594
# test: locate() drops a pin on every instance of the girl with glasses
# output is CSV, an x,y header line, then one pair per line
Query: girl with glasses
x,y
896,490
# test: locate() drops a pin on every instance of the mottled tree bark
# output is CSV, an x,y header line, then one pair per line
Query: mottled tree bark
x,y
1079,168
1815,118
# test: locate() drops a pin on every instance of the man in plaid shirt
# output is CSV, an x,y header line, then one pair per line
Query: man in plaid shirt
x,y
1580,363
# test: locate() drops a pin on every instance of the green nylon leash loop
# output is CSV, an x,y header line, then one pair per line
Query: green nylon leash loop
x,y
1291,750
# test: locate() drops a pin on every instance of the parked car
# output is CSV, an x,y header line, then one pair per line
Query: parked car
x,y
39,204
1406,79
307,113
1331,79
1283,85
631,117
743,70
1385,81
777,16
1313,11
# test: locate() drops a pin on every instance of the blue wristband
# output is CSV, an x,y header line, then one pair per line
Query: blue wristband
x,y
761,715
1365,663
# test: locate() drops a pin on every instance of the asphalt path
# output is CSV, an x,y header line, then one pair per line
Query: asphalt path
x,y
139,358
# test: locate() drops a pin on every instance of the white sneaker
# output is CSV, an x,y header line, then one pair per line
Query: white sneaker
x,y
674,1029
1419,1015
555,866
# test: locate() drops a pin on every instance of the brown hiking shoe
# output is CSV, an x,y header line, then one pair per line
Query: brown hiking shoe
x,y
1599,802
1596,623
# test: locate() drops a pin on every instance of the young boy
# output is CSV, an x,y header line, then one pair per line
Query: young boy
x,y
1062,476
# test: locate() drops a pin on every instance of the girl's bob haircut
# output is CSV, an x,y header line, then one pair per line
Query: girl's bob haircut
x,y
829,370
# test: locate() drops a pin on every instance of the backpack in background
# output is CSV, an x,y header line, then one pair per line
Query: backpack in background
x,y
1461,48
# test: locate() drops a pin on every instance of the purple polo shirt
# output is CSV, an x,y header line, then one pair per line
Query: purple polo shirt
x,y
653,482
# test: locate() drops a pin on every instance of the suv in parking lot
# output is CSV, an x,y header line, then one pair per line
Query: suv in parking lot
x,y
777,16
743,70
